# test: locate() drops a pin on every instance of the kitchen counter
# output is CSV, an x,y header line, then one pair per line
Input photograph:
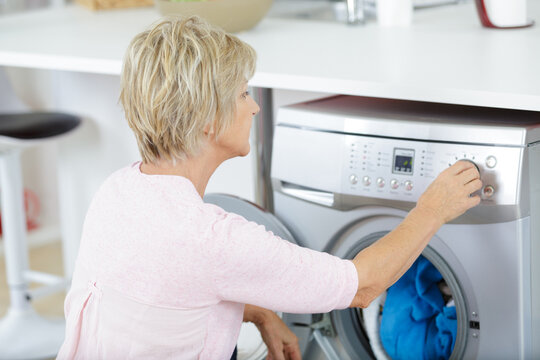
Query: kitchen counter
x,y
444,56
68,59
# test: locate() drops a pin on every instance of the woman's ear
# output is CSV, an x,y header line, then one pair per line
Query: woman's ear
x,y
209,129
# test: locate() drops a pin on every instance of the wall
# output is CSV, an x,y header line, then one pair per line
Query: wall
x,y
103,144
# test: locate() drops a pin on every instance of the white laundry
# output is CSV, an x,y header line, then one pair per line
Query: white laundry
x,y
372,324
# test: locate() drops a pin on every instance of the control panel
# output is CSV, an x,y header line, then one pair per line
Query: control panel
x,y
400,169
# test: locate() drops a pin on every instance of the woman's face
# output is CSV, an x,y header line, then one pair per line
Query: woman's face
x,y
235,141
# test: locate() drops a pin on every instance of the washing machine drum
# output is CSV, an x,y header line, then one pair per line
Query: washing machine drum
x,y
250,343
414,319
363,333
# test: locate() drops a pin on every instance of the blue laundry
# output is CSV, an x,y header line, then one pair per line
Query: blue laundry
x,y
415,322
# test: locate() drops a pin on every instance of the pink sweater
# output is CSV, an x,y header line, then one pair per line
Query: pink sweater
x,y
160,274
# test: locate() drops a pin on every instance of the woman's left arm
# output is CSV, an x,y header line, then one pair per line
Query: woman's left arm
x,y
281,342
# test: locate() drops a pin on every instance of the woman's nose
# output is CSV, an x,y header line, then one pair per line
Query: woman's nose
x,y
257,108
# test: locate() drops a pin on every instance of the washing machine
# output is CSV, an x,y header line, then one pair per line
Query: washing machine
x,y
345,172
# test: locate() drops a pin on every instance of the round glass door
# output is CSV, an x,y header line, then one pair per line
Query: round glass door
x,y
359,330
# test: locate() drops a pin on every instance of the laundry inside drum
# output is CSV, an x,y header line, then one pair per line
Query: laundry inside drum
x,y
415,319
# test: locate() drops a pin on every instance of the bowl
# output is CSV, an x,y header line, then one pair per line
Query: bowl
x,y
230,15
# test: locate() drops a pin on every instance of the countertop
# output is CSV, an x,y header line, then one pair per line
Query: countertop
x,y
444,56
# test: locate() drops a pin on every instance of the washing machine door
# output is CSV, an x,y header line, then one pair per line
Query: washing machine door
x,y
250,343
357,330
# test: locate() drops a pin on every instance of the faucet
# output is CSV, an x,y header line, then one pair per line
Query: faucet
x,y
355,12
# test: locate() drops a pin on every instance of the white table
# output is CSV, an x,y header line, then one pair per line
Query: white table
x,y
445,56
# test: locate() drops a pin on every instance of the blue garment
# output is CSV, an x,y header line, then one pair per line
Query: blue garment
x,y
415,322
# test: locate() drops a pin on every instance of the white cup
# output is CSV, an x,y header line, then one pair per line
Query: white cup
x,y
507,13
395,12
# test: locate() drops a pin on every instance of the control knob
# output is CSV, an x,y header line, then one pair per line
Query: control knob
x,y
472,162
408,185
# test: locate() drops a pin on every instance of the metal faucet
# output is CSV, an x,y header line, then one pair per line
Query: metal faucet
x,y
355,12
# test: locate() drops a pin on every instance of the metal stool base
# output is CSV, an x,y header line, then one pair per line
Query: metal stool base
x,y
26,335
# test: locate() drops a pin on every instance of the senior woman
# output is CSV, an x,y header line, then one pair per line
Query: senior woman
x,y
160,274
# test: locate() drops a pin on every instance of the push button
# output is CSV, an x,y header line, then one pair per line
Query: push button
x,y
366,181
491,161
408,185
488,191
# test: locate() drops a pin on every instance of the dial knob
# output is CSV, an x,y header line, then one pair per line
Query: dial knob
x,y
394,184
472,162
380,182
408,185
353,179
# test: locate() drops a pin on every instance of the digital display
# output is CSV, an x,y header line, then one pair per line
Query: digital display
x,y
403,161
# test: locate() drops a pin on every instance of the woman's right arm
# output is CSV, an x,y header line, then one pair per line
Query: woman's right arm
x,y
383,263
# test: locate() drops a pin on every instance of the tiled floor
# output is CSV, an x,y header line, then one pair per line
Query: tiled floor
x,y
44,258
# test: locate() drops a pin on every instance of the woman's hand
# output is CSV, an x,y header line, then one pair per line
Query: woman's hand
x,y
448,196
281,342
382,263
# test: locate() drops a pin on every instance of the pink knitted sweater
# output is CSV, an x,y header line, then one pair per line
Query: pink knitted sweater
x,y
162,275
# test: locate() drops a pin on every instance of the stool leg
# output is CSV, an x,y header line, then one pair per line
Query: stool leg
x,y
23,333
14,229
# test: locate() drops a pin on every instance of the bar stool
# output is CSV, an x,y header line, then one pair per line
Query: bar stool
x,y
23,333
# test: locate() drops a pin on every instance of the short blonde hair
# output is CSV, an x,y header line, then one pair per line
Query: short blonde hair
x,y
179,77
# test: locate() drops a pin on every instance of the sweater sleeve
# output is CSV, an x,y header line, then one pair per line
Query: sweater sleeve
x,y
253,266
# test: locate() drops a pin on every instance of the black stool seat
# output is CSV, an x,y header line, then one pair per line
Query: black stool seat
x,y
36,125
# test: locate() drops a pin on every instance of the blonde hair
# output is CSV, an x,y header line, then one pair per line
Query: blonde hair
x,y
179,77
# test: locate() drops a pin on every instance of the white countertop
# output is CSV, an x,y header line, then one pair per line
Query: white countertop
x,y
444,56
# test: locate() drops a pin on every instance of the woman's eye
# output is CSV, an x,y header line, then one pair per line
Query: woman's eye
x,y
245,94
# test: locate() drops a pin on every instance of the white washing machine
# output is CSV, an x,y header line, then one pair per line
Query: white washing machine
x,y
345,171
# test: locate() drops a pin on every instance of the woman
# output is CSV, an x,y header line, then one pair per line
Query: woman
x,y
161,274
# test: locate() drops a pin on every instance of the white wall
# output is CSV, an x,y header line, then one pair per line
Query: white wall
x,y
103,144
